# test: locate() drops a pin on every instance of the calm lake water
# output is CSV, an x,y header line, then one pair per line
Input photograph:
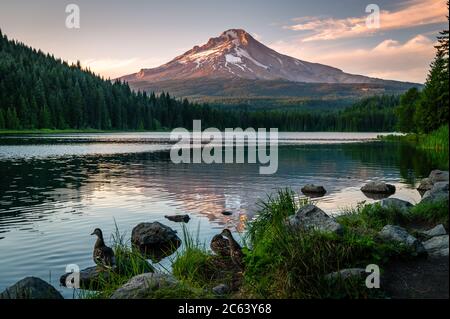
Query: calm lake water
x,y
55,189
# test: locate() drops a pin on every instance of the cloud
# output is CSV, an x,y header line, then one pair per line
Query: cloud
x,y
413,13
390,59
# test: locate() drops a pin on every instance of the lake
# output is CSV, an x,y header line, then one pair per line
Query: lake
x,y
55,189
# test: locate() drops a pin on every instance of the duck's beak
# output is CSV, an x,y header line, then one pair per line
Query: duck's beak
x,y
92,234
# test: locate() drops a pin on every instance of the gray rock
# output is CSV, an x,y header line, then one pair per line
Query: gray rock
x,y
312,217
396,203
378,188
437,176
31,288
347,273
179,218
437,246
438,192
90,278
439,230
313,189
143,286
221,290
155,240
400,235
425,185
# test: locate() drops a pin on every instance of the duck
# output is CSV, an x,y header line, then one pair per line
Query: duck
x,y
220,246
103,255
236,254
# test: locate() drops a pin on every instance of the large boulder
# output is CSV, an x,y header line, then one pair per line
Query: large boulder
x,y
31,288
400,235
439,230
313,190
438,192
425,185
396,203
378,188
312,217
143,286
437,176
155,240
437,246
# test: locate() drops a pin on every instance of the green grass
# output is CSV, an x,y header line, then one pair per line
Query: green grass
x,y
282,262
288,263
198,268
129,263
432,213
435,144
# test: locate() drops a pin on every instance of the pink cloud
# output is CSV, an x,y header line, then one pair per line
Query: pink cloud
x,y
390,59
413,13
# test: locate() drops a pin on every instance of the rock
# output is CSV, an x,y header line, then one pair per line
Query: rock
x,y
31,288
227,213
400,235
438,192
143,286
378,188
396,203
439,230
347,273
221,290
179,218
155,240
425,185
312,217
90,278
437,176
313,190
437,246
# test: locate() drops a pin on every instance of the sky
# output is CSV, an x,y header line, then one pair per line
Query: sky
x,y
116,38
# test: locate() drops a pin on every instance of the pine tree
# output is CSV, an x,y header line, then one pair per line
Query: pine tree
x,y
2,116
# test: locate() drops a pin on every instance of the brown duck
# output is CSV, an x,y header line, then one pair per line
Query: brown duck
x,y
236,253
103,255
220,246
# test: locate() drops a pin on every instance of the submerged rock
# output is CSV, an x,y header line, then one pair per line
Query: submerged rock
x,y
314,190
437,246
155,240
31,288
396,203
378,188
143,286
439,230
312,217
400,235
179,218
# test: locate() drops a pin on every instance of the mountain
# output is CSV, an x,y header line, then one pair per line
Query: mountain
x,y
235,56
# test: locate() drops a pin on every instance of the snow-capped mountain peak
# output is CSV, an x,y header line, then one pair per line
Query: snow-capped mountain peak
x,y
236,54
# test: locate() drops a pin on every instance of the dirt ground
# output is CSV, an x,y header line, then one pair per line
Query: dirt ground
x,y
424,278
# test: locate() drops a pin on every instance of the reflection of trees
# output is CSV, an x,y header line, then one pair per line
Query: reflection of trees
x,y
412,163
37,186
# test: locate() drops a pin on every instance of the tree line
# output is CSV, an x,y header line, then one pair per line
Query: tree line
x,y
427,110
39,91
